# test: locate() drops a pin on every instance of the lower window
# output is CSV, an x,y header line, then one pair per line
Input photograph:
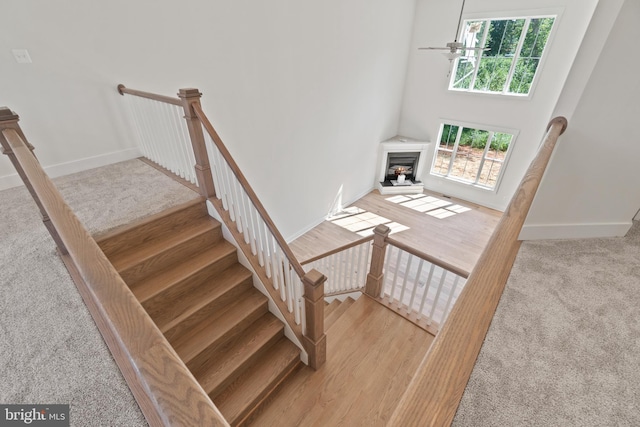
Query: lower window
x,y
474,156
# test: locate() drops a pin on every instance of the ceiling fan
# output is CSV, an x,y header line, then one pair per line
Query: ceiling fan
x,y
455,48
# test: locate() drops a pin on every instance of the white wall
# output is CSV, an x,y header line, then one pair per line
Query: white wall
x,y
592,187
427,101
301,91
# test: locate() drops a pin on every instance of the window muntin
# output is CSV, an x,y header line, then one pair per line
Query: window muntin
x,y
512,55
469,155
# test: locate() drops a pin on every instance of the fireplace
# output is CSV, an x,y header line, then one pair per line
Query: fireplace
x,y
407,162
401,155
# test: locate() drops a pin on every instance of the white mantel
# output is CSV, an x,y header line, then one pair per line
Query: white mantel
x,y
401,144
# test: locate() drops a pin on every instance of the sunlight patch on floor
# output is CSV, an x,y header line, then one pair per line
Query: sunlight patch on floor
x,y
433,206
362,222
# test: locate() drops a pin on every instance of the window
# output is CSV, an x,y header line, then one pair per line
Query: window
x,y
512,52
469,155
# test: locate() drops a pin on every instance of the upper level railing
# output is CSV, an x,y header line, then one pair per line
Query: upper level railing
x,y
416,285
164,388
434,394
346,267
176,139
419,286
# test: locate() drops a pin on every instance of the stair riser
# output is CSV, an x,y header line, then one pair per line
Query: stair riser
x,y
198,362
214,389
175,329
149,231
271,386
337,312
245,416
170,256
164,301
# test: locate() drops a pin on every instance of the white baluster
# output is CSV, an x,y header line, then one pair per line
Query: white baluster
x,y
274,262
416,284
398,266
265,245
406,270
443,276
235,196
447,307
387,276
427,288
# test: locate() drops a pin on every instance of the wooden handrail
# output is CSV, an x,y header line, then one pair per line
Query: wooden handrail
x,y
434,394
196,121
339,249
165,390
162,98
295,264
429,258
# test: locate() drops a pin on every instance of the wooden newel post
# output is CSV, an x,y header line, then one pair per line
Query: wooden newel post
x,y
373,287
315,341
9,122
202,167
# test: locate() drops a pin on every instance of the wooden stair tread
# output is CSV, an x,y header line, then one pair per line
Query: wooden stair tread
x,y
254,385
137,254
151,227
214,330
337,312
189,304
231,359
330,307
166,278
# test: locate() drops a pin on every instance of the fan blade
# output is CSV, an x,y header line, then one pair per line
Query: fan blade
x,y
475,48
434,48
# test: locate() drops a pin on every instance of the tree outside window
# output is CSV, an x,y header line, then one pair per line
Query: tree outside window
x,y
513,49
473,156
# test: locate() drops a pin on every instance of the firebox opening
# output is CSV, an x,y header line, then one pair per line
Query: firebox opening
x,y
407,160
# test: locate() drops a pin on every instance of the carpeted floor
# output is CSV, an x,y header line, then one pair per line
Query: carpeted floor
x,y
564,346
563,349
50,349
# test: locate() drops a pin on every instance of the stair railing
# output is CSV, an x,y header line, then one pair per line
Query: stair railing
x,y
434,394
346,267
416,285
163,135
419,287
296,293
163,386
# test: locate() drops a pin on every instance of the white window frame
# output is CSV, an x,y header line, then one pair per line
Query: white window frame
x,y
528,16
488,128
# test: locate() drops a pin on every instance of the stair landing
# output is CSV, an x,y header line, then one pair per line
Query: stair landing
x,y
372,354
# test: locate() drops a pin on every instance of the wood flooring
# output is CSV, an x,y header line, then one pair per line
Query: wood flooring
x,y
457,239
372,354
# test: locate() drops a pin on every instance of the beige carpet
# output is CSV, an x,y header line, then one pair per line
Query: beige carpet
x,y
563,350
564,346
50,349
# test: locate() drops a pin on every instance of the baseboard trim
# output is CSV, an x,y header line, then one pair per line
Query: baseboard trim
x,y
66,168
574,231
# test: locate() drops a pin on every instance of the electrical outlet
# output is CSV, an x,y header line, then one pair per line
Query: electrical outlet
x,y
22,56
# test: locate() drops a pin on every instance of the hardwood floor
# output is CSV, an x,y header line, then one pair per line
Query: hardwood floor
x,y
372,354
457,239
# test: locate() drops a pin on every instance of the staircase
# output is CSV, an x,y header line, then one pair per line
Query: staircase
x,y
189,280
334,310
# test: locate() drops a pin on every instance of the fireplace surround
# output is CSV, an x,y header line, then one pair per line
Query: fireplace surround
x,y
405,155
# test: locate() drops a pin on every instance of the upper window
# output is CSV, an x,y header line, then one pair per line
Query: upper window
x,y
508,58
